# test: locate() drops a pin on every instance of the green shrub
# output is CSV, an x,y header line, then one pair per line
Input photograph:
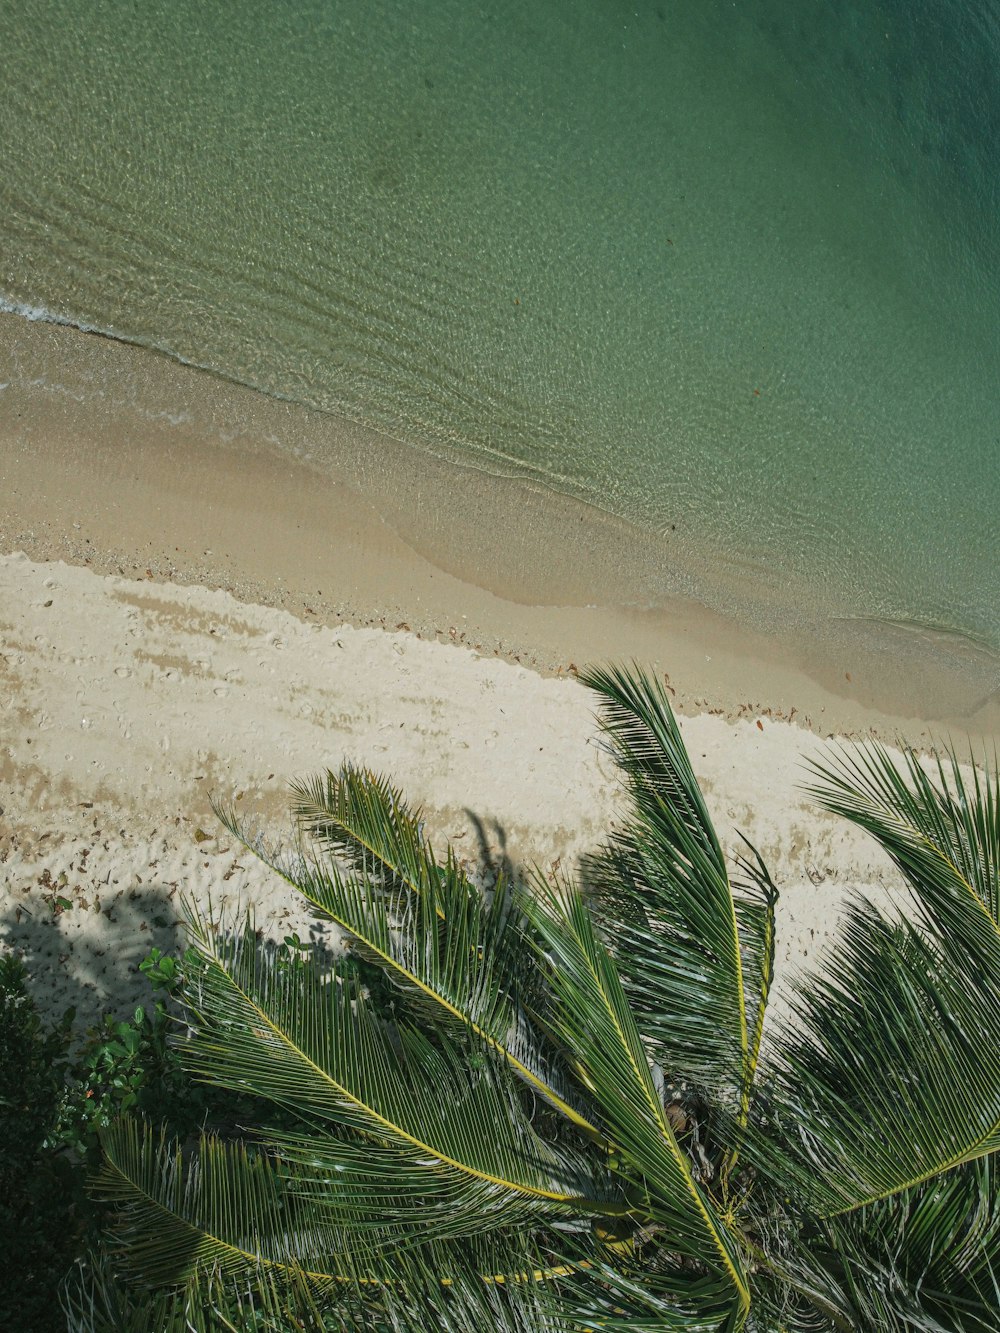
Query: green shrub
x,y
42,1202
129,1065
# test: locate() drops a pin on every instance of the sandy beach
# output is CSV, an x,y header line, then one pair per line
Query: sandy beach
x,y
128,704
187,612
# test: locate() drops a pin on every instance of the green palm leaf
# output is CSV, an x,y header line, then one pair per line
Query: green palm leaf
x,y
591,1015
364,820
895,1071
926,1261
676,921
755,899
311,1043
453,953
929,1258
943,836
368,1188
224,1211
97,1300
675,1298
892,1070
224,1221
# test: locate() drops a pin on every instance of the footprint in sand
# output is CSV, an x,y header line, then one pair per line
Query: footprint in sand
x,y
123,671
221,691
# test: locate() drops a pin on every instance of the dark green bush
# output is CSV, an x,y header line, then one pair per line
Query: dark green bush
x,y
130,1065
43,1212
56,1094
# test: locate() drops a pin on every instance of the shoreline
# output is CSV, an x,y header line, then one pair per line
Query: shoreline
x,y
188,609
125,462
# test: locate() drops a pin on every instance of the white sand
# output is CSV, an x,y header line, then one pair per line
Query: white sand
x,y
124,705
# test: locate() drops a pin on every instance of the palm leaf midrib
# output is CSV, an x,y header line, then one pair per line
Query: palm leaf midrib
x,y
395,966
515,1187
932,1173
643,1082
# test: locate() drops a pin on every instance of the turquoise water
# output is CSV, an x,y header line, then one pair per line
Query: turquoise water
x,y
729,271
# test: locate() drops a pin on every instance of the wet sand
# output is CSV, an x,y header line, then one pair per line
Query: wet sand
x,y
125,461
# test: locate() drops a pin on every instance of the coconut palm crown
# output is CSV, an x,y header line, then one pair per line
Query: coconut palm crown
x,y
547,1106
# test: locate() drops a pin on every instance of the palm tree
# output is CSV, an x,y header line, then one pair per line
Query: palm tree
x,y
546,1107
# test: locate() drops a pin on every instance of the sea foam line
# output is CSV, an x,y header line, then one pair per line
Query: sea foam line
x,y
39,314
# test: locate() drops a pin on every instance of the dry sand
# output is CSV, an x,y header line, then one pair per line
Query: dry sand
x,y
126,705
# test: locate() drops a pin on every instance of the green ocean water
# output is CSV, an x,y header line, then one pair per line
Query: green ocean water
x,y
730,271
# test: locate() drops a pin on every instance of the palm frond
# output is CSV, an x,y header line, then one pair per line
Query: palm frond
x,y
360,817
508,1284
359,1184
590,1013
666,900
96,1300
928,1259
311,1043
453,953
220,1222
890,1073
755,900
672,1299
943,836
224,1210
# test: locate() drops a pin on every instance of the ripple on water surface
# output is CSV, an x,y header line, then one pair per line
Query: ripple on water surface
x,y
729,274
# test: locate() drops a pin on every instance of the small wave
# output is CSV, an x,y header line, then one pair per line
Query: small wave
x,y
933,634
38,314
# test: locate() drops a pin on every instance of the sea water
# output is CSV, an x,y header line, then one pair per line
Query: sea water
x,y
730,271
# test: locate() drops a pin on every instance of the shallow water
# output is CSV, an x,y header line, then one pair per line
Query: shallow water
x,y
728,271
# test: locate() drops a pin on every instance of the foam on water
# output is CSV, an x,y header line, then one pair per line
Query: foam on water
x,y
38,314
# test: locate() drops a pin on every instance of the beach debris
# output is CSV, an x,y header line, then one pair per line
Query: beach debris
x,y
201,836
815,874
760,725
